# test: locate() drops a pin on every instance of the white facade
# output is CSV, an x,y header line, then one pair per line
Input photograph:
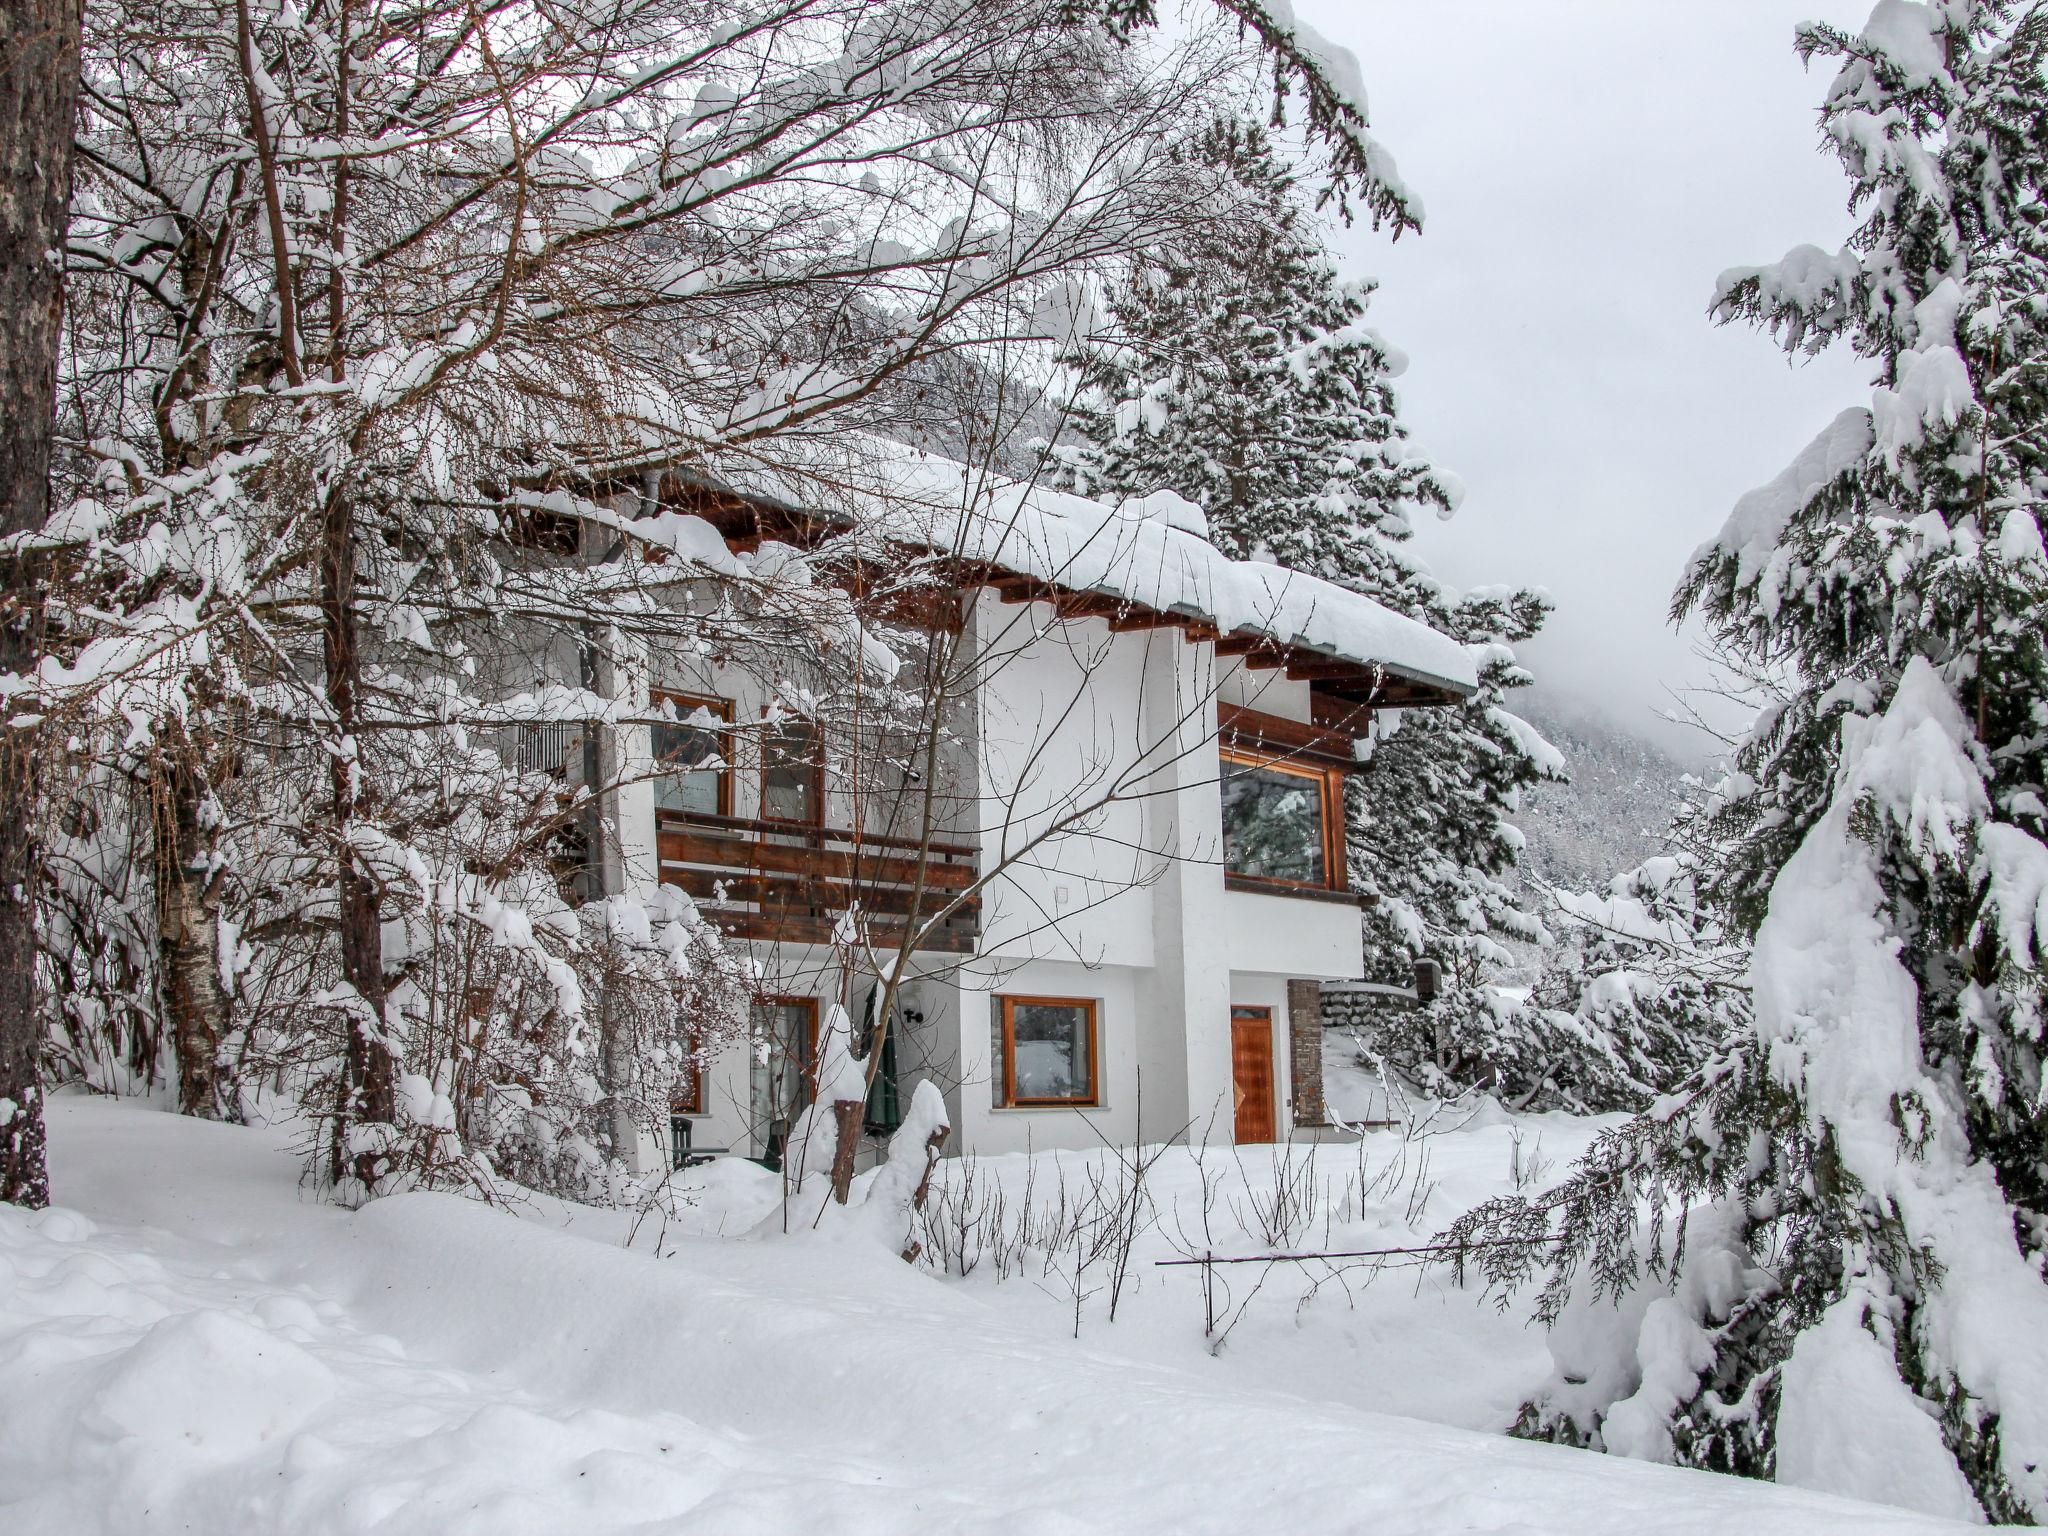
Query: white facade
x,y
1090,791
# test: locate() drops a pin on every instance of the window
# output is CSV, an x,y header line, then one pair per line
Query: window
x,y
1049,1050
792,774
693,776
1281,820
785,1041
687,1096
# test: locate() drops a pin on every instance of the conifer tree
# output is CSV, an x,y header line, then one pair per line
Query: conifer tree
x,y
1645,982
1868,1170
1241,372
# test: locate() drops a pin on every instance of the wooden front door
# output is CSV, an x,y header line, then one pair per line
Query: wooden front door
x,y
1251,1072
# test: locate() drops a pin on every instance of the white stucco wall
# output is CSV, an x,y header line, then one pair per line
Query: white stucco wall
x,y
1267,689
981,1127
1059,728
1292,936
929,1047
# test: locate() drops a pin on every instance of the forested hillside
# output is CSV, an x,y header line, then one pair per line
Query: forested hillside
x,y
1612,813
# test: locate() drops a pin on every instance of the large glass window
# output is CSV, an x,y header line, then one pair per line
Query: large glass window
x,y
1049,1051
1278,820
792,774
693,772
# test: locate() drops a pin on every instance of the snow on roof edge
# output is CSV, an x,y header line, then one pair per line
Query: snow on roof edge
x,y
1088,546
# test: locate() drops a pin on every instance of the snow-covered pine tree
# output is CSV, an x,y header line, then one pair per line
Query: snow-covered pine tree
x,y
1239,370
1857,1302
1645,978
1432,845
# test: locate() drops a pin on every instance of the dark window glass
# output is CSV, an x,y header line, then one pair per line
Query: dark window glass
x,y
1051,1051
785,1038
1273,823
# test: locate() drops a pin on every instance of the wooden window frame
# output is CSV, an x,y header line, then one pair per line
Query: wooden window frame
x,y
817,768
813,1011
540,531
1008,1003
689,703
692,1102
1330,780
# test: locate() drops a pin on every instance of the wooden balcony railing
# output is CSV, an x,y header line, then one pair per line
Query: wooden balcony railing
x,y
788,882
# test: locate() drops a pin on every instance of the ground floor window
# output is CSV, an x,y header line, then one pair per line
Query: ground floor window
x,y
1048,1056
686,1094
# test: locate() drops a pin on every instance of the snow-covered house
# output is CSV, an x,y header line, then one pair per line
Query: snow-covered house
x,y
1130,883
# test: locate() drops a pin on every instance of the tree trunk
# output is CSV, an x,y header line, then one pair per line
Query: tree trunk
x,y
188,964
846,1116
39,43
369,1079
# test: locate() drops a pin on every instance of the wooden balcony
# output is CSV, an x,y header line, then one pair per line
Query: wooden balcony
x,y
787,883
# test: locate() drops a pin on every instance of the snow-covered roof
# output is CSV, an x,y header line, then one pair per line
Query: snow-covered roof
x,y
1150,553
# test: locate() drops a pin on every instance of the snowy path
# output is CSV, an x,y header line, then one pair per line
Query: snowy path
x,y
189,1345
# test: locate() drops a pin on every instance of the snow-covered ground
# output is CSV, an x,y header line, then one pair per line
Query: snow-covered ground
x,y
191,1343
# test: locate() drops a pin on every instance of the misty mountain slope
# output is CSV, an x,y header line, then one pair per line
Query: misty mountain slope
x,y
1612,814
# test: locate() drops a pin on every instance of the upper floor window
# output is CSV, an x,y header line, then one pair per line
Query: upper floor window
x,y
692,759
1282,820
792,773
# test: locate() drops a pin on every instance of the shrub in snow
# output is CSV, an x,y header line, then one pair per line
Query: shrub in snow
x,y
1871,1155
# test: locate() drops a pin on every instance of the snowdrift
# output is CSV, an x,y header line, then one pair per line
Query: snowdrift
x,y
191,1344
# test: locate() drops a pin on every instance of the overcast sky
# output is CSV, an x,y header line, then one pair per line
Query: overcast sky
x,y
1587,167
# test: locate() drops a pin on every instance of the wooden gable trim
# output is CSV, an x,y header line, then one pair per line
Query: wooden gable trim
x,y
1336,712
1261,734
